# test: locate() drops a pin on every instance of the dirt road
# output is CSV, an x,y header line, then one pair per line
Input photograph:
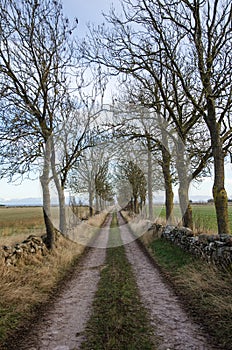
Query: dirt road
x,y
62,328
171,323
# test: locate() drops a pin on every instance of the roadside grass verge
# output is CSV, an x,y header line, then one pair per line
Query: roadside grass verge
x,y
25,288
205,290
87,229
118,321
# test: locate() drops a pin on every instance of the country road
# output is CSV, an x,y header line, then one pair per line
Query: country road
x,y
62,326
171,323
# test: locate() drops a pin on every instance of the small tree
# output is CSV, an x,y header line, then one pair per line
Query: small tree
x,y
103,187
90,173
134,176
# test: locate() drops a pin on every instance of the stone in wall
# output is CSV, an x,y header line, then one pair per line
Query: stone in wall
x,y
31,245
216,249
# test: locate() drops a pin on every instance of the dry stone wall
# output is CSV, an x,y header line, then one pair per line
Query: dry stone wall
x,y
216,249
33,245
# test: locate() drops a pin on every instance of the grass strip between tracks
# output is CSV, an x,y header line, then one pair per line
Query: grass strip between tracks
x,y
119,320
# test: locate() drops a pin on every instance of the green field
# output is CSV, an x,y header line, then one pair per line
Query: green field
x,y
204,216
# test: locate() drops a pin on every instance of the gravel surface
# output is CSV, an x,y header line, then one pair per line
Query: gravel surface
x,y
63,326
175,330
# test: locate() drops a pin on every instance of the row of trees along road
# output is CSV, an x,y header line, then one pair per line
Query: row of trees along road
x,y
44,107
173,60
91,175
179,55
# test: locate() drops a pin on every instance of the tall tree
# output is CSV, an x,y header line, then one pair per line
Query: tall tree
x,y
187,47
34,55
78,130
200,34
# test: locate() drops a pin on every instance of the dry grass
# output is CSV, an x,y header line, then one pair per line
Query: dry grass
x,y
31,282
140,227
81,211
126,215
17,238
138,224
85,230
211,283
205,290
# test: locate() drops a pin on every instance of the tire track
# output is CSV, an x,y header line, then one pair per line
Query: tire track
x,y
63,326
172,325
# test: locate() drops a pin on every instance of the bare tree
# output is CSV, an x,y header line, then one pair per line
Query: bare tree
x,y
200,36
90,174
187,47
131,172
34,55
104,190
136,123
77,131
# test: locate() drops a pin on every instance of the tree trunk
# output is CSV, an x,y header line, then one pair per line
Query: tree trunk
x,y
149,182
183,191
166,169
62,213
169,195
219,192
186,210
44,180
97,204
100,203
61,196
90,190
136,205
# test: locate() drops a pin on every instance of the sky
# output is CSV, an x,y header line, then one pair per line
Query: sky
x,y
31,189
90,11
87,11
